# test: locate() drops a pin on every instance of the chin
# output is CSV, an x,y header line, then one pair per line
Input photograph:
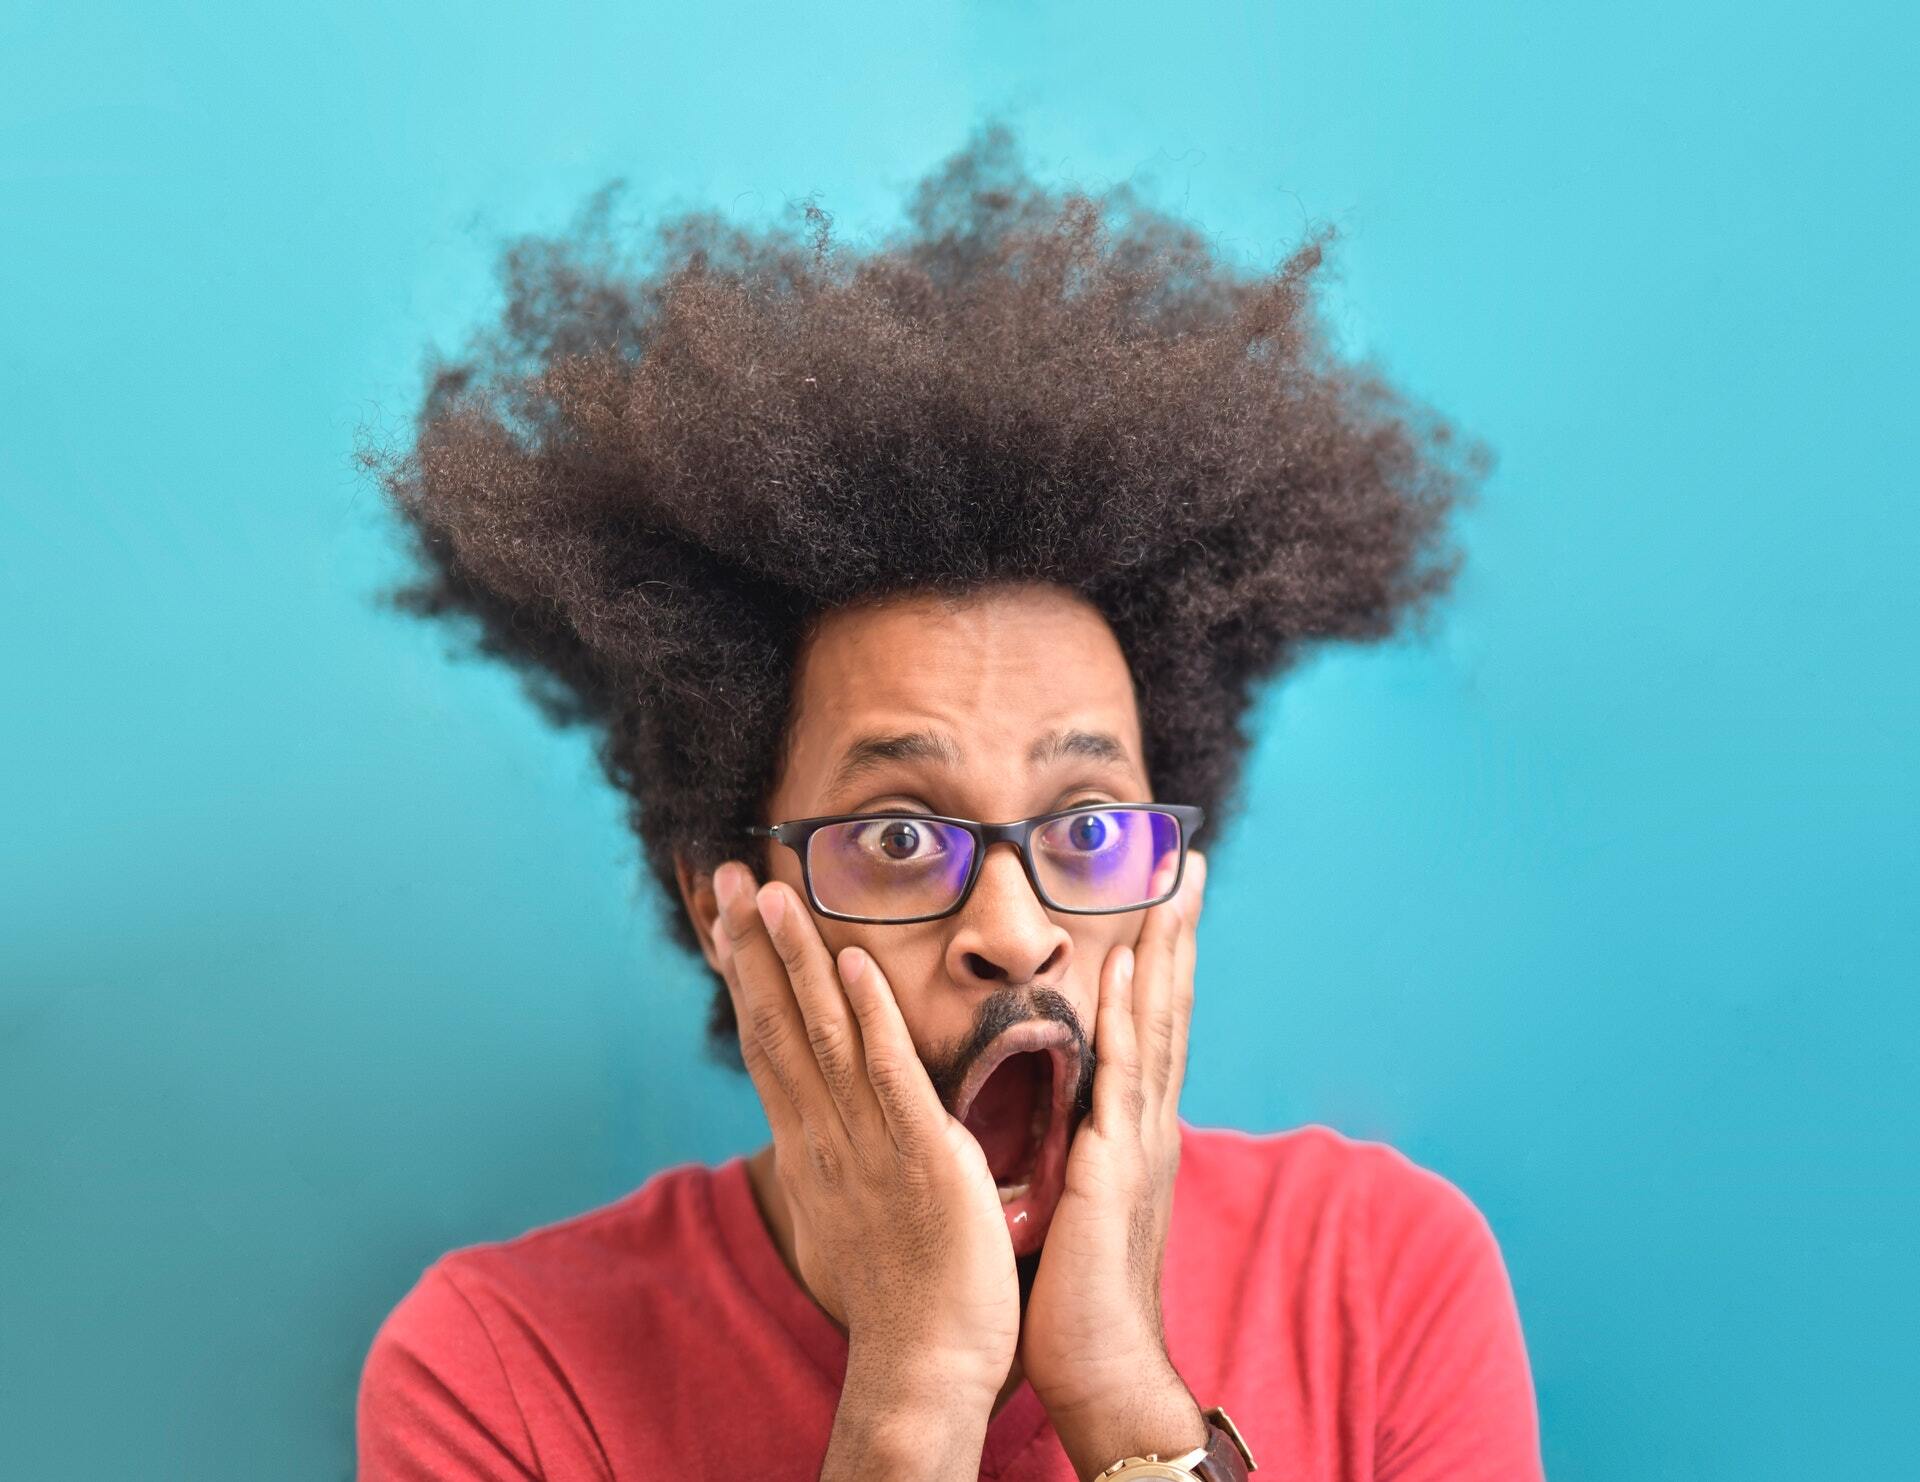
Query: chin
x,y
1018,1101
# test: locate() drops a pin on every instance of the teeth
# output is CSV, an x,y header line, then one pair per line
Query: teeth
x,y
1011,1192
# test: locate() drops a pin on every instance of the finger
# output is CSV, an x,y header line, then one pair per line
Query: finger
x,y
832,1031
768,1011
1185,957
798,1141
1117,1095
1163,874
1156,990
901,1087
782,1117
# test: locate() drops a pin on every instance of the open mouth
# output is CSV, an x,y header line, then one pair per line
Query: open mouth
x,y
1017,1103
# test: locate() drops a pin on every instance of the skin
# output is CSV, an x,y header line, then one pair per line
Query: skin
x,y
880,1202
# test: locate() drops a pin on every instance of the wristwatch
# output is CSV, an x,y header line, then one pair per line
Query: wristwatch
x,y
1225,1458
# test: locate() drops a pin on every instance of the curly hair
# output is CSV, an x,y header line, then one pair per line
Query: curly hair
x,y
675,450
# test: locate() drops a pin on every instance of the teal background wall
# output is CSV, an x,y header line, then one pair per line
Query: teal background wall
x,y
319,955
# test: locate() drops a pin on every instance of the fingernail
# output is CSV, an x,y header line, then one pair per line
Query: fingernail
x,y
772,906
725,886
851,960
1125,969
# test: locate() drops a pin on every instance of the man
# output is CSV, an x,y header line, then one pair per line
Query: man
x,y
920,597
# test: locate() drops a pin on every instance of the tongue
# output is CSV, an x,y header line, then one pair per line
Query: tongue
x,y
1001,1117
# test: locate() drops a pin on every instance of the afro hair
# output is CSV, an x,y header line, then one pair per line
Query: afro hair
x,y
675,449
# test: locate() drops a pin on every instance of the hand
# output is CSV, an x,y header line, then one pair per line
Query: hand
x,y
1093,1347
897,1225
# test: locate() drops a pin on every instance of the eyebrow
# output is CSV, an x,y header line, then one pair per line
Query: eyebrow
x,y
1099,746
871,753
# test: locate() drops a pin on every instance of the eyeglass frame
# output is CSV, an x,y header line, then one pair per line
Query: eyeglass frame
x,y
797,834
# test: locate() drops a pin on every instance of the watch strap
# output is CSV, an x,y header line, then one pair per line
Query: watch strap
x,y
1228,1458
1224,1458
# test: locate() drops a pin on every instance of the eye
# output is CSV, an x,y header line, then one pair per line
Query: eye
x,y
898,840
1093,833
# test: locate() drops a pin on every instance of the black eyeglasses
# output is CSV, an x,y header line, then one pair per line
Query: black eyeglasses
x,y
892,868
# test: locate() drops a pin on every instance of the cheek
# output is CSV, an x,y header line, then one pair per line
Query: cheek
x,y
912,964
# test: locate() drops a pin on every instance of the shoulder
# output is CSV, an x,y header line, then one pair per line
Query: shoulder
x,y
628,1242
1403,1234
617,1251
1373,1183
434,1394
1442,1340
448,1365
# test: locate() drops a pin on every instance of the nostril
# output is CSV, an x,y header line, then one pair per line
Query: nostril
x,y
988,971
981,968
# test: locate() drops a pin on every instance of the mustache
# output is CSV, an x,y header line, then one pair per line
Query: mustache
x,y
998,1013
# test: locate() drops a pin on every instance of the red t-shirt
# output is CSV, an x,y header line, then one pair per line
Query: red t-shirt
x,y
1348,1308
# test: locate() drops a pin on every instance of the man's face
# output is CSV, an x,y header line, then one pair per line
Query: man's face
x,y
1025,695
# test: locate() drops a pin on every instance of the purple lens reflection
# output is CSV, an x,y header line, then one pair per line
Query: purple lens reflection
x,y
1107,859
889,868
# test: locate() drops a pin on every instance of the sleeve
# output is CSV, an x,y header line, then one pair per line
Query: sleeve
x,y
434,1403
1455,1395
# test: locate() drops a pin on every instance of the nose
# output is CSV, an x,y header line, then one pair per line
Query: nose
x,y
1006,937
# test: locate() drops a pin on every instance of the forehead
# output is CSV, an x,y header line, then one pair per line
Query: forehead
x,y
993,672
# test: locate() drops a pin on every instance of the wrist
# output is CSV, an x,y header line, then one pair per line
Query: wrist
x,y
916,1370
1156,1415
908,1411
872,1438
916,1388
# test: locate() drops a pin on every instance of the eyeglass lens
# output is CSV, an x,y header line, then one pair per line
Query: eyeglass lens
x,y
902,865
